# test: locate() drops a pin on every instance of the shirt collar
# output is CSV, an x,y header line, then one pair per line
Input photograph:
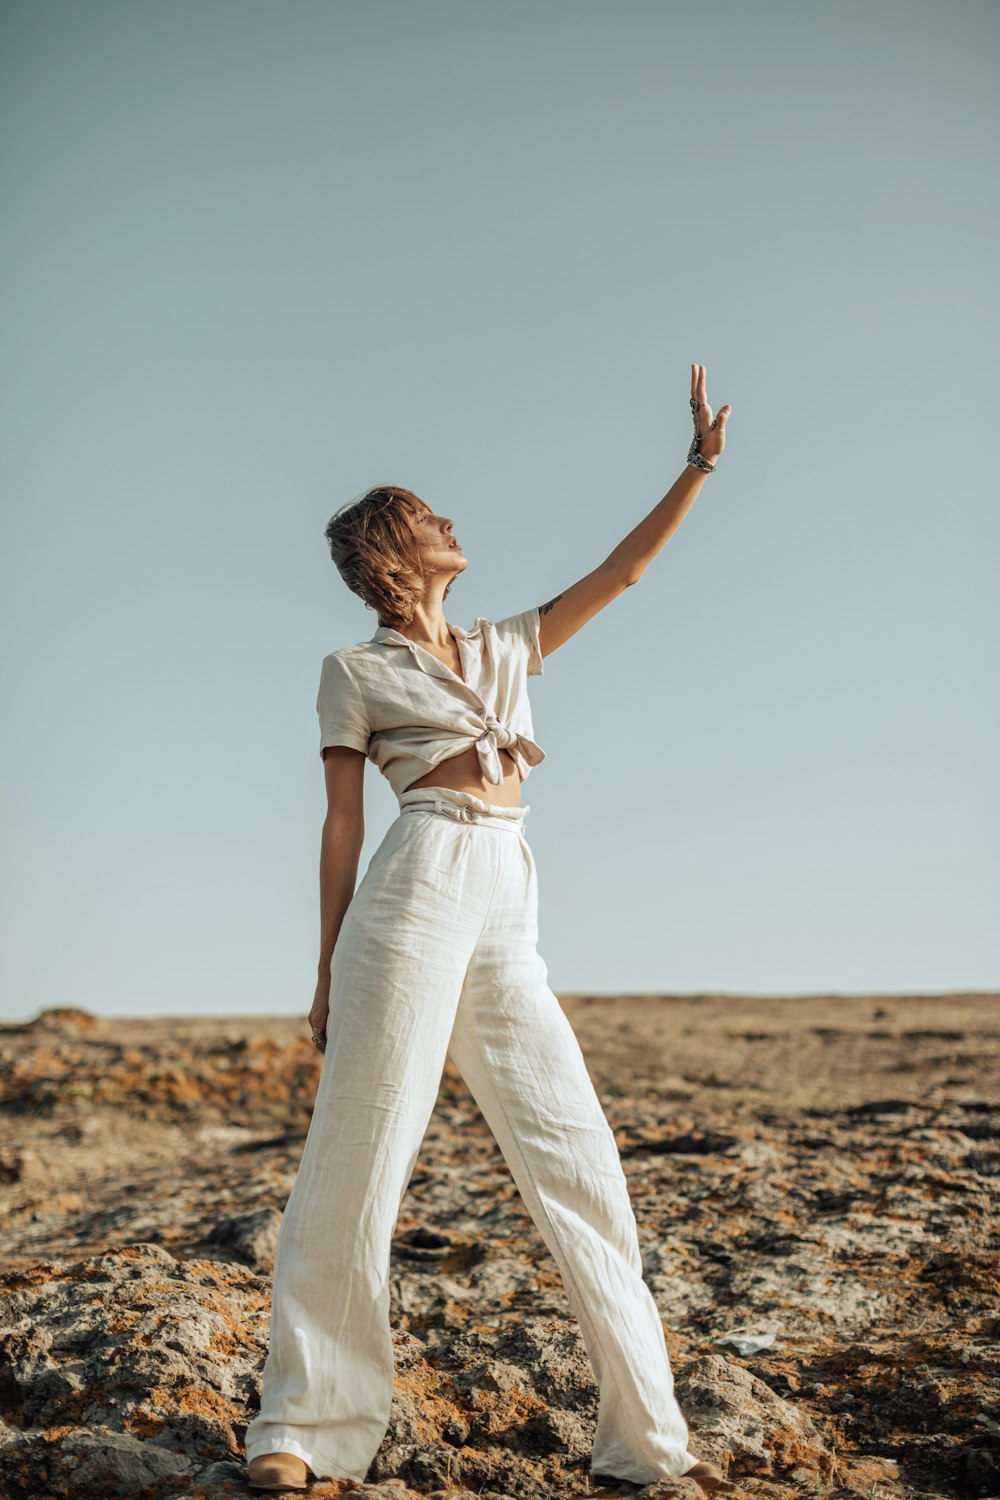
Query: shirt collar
x,y
396,638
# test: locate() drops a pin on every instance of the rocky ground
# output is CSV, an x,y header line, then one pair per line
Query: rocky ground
x,y
819,1171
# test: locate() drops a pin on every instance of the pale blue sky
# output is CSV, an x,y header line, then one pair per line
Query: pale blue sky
x,y
260,256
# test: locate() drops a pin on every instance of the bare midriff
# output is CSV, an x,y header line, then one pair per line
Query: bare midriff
x,y
464,773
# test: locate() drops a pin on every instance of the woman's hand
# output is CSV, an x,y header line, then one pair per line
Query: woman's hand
x,y
709,431
318,1014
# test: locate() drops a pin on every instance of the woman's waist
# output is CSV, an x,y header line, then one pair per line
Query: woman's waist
x,y
463,772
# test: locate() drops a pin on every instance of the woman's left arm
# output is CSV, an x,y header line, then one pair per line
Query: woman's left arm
x,y
564,615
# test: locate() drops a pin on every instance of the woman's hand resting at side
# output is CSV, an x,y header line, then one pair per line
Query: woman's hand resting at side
x,y
320,1011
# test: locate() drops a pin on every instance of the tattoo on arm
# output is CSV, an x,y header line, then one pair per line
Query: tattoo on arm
x,y
543,609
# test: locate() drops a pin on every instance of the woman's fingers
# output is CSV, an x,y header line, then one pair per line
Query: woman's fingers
x,y
694,403
699,398
701,412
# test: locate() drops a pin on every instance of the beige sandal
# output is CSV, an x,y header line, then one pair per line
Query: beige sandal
x,y
278,1471
711,1479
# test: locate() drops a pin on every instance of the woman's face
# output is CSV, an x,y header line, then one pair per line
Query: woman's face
x,y
436,546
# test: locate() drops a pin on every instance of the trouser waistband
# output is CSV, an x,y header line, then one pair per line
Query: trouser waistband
x,y
465,807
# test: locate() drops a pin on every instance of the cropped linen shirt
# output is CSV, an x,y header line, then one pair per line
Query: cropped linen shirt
x,y
407,711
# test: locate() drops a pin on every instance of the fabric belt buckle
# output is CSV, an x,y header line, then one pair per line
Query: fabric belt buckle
x,y
468,814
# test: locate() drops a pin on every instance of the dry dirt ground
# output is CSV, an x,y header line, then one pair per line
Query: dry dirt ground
x,y
818,1169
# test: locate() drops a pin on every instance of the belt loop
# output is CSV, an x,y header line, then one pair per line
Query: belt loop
x,y
461,813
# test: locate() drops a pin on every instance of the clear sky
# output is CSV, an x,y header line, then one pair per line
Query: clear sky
x,y
261,256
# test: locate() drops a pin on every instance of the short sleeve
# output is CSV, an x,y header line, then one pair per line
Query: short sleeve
x,y
522,630
343,719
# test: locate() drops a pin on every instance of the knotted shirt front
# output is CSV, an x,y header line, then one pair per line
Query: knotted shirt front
x,y
407,711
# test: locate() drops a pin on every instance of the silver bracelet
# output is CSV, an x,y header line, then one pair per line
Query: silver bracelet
x,y
696,461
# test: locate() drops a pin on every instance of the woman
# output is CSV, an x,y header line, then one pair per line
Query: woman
x,y
435,954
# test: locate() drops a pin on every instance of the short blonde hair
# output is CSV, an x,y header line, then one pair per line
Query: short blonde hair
x,y
372,545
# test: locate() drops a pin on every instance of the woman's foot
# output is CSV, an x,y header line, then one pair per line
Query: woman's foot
x,y
711,1479
277,1471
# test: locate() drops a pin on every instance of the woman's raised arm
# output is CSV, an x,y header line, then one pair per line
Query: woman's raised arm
x,y
564,615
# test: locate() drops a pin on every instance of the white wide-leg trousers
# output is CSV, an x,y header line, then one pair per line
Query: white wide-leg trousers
x,y
437,955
